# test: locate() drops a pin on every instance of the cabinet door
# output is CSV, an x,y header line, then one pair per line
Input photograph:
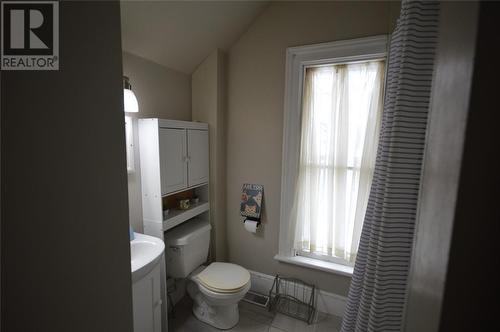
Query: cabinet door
x,y
173,165
157,304
146,296
197,156
142,296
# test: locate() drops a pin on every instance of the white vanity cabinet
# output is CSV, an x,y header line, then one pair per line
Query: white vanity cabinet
x,y
174,157
146,294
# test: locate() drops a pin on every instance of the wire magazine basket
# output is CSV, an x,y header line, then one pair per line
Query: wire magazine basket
x,y
293,297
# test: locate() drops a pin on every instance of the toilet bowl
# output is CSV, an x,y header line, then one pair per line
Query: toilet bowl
x,y
215,289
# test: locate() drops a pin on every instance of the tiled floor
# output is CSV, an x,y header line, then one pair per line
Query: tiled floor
x,y
252,318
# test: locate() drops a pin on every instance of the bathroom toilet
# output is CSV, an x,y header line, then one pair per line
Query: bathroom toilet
x,y
215,289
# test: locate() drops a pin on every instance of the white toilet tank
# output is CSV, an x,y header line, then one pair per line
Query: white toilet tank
x,y
186,247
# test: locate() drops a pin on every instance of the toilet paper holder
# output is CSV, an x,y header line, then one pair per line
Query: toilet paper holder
x,y
253,219
251,225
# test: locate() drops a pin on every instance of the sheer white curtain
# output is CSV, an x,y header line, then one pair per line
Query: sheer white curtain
x,y
342,106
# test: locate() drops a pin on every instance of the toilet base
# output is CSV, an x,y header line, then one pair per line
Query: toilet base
x,y
222,317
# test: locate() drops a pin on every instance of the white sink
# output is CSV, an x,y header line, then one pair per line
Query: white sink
x,y
145,252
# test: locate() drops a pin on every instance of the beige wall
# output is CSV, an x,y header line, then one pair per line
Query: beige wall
x,y
208,95
163,93
256,73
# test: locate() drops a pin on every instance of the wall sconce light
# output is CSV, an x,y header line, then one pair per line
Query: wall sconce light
x,y
129,100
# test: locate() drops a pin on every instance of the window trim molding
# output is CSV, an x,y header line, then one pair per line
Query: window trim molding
x,y
297,59
129,141
330,259
317,264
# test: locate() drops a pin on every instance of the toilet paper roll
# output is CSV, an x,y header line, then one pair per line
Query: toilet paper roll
x,y
251,226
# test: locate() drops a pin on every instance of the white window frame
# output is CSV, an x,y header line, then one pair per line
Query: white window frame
x,y
129,142
297,60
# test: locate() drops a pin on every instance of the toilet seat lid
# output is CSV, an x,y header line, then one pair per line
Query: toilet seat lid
x,y
224,277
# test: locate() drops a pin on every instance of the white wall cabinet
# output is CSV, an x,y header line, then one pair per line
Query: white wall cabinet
x,y
183,158
174,157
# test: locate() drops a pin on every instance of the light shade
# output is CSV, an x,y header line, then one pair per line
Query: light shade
x,y
130,101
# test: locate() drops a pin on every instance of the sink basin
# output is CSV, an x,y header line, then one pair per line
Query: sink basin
x,y
145,253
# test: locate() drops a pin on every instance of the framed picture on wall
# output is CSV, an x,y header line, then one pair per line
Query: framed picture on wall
x,y
251,200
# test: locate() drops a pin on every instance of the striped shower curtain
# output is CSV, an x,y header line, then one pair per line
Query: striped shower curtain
x,y
378,289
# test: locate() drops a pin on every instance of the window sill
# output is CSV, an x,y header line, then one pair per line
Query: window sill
x,y
317,264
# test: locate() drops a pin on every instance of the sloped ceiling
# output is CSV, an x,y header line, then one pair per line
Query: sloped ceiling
x,y
180,34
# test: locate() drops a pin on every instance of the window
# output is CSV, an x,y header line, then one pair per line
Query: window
x,y
129,142
340,116
334,104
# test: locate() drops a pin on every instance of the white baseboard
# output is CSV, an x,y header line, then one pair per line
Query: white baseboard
x,y
326,302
